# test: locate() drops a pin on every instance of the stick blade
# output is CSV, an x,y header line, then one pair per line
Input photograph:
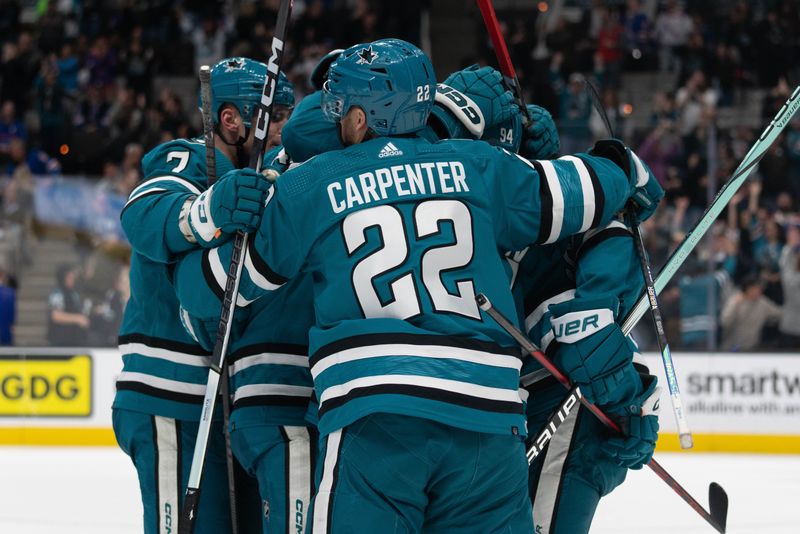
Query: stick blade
x,y
718,504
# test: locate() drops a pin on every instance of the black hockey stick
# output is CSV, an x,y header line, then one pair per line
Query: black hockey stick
x,y
262,115
211,173
655,310
747,165
718,499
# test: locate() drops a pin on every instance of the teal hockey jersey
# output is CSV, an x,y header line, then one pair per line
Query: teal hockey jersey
x,y
599,263
164,369
267,354
398,235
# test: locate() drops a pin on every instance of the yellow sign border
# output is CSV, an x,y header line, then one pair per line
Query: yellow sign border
x,y
102,436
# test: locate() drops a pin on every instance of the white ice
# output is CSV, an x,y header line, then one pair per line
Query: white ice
x,y
89,490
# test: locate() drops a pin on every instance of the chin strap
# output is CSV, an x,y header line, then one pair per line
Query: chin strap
x,y
242,160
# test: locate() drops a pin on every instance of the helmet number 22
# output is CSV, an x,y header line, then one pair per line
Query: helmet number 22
x,y
423,93
435,260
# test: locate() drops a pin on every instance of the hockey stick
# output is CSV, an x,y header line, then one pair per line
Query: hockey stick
x,y
718,499
655,310
754,155
211,173
263,114
501,51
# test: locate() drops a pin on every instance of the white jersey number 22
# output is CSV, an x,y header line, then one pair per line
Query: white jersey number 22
x,y
394,251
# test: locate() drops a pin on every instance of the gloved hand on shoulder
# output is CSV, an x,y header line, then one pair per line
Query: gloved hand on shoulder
x,y
646,192
470,102
233,203
540,139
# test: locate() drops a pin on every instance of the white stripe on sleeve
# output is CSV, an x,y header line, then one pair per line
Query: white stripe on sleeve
x,y
587,190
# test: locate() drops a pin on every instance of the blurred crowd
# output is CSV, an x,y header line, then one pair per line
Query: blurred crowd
x,y
87,87
79,96
741,290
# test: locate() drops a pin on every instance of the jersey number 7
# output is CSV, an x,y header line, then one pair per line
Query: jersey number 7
x,y
394,252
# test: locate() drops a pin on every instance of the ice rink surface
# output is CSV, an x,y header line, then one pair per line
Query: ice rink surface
x,y
88,490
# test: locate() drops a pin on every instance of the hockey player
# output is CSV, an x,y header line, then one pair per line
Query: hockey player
x,y
269,378
160,390
594,277
397,233
269,344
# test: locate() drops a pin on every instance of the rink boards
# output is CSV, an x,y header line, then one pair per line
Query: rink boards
x,y
733,402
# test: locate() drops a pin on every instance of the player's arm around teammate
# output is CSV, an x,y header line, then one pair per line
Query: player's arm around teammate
x,y
160,390
589,281
392,348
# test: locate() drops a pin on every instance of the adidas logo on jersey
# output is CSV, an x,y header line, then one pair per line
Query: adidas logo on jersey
x,y
389,150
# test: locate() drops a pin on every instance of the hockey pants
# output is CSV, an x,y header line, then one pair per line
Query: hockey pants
x,y
390,473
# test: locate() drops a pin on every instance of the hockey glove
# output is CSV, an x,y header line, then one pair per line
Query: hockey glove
x,y
540,140
277,166
234,203
635,449
646,192
484,85
593,351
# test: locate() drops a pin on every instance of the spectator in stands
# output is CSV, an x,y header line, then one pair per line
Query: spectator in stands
x,y
10,128
92,113
673,27
50,107
638,30
790,278
101,62
609,53
68,322
106,316
574,109
8,310
68,68
694,101
745,314
23,163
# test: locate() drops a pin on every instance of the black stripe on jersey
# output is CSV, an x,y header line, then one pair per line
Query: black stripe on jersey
x,y
268,348
272,400
602,235
599,196
641,368
546,196
541,385
140,197
261,265
543,292
208,274
369,340
161,343
441,395
153,391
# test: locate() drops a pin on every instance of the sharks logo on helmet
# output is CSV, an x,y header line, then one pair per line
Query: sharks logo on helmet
x,y
366,56
390,79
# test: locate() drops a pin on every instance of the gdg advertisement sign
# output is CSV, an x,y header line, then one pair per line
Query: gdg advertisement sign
x,y
46,385
57,396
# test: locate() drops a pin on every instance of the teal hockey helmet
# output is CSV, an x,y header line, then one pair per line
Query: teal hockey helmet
x,y
238,81
284,92
391,80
